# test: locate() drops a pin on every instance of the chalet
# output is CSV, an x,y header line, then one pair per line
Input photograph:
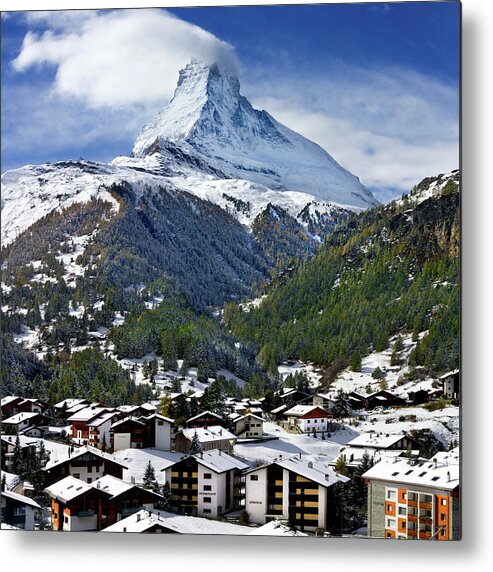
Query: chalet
x,y
399,441
86,463
23,420
34,432
295,490
28,450
128,433
383,398
418,397
248,426
145,522
18,510
307,418
10,405
123,498
207,484
67,407
76,506
451,384
160,431
153,431
215,437
81,421
416,500
32,406
99,429
204,419
352,457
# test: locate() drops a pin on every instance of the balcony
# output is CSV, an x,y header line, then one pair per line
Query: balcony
x,y
412,503
412,518
424,535
425,505
85,513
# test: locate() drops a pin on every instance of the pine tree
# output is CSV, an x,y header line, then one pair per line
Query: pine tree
x,y
17,458
149,476
355,361
195,446
166,493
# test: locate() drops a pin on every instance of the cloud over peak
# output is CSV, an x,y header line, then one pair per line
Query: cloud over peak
x,y
117,58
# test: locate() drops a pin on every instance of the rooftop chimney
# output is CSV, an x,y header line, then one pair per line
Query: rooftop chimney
x,y
448,476
310,464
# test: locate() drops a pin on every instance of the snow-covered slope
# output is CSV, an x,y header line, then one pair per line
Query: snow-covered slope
x,y
209,117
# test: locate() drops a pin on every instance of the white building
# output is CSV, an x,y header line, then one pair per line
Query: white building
x,y
308,418
294,490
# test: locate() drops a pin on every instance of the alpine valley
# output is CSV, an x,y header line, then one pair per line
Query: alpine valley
x,y
224,247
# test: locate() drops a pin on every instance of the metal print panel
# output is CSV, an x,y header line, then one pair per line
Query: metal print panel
x,y
231,271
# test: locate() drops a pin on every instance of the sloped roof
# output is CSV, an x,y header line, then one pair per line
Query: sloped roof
x,y
81,451
206,435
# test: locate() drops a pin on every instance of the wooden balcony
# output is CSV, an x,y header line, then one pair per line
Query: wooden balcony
x,y
412,503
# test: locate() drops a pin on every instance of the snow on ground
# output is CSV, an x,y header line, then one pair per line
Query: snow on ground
x,y
359,381
137,459
230,375
289,444
309,370
199,525
28,338
444,423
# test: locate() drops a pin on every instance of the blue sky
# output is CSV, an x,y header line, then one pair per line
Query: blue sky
x,y
375,84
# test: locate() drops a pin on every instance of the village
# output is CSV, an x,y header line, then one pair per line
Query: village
x,y
318,463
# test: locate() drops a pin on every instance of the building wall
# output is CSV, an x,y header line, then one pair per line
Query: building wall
x,y
121,441
376,509
79,524
256,495
314,425
210,502
163,435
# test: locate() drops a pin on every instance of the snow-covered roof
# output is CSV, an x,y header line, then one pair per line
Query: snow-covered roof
x,y
279,409
301,410
87,413
128,408
161,417
20,498
206,435
449,374
8,399
67,489
70,403
144,520
275,528
353,456
316,471
103,418
236,419
112,485
81,451
375,440
219,462
438,473
202,414
20,417
148,406
131,418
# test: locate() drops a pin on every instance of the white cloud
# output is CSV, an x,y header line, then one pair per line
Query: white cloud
x,y
390,128
117,58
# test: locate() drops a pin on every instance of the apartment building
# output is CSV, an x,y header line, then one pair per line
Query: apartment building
x,y
294,489
207,484
415,500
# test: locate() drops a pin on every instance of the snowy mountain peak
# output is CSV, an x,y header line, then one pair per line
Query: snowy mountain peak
x,y
211,121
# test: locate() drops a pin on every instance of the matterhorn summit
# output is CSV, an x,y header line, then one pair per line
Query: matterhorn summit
x,y
210,120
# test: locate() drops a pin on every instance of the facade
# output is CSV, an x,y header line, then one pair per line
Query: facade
x,y
308,418
153,431
81,421
21,421
78,506
380,441
86,464
295,490
205,485
451,384
415,500
215,437
204,419
18,510
248,426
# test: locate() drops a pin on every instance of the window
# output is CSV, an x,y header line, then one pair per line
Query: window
x,y
402,511
207,488
443,502
443,517
254,477
207,475
65,520
20,511
207,500
89,480
390,522
89,469
207,511
389,508
76,475
428,498
160,423
391,495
